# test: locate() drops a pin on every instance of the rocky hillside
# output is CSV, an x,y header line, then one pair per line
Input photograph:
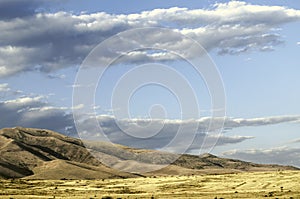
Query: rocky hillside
x,y
40,153
44,154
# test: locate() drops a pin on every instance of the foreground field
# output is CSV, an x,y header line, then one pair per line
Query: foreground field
x,y
280,184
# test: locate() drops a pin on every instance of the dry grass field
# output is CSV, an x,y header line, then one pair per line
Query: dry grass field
x,y
279,184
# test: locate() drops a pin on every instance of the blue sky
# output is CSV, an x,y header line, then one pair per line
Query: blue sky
x,y
254,45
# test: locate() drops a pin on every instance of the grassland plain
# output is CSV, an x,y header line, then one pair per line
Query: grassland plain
x,y
275,184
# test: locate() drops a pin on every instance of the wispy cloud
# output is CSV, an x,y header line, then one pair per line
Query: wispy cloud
x,y
7,92
4,87
295,141
280,155
241,122
56,76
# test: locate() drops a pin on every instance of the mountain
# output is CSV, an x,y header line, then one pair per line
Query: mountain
x,y
44,154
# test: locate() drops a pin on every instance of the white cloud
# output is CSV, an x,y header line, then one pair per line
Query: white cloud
x,y
50,41
79,106
298,43
4,88
240,122
6,92
280,155
56,76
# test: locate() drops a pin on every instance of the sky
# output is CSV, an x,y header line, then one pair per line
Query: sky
x,y
181,76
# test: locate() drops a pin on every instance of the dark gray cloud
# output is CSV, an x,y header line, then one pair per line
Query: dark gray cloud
x,y
37,113
296,141
158,133
50,41
19,8
204,142
281,155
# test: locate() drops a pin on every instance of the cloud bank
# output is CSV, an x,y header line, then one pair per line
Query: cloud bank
x,y
121,131
37,112
41,41
281,155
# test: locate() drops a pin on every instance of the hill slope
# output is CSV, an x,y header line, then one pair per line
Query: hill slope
x,y
44,154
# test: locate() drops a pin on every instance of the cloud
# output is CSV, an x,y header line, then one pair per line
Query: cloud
x,y
35,112
298,43
7,92
241,122
50,41
18,8
56,76
294,141
135,132
4,87
158,133
10,9
206,141
281,155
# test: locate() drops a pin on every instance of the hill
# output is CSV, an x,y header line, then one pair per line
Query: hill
x,y
44,154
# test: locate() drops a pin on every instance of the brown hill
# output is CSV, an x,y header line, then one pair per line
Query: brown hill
x,y
39,153
44,154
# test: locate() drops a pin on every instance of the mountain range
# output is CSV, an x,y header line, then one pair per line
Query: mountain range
x,y
43,154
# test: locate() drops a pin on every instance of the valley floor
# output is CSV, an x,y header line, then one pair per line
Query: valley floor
x,y
279,184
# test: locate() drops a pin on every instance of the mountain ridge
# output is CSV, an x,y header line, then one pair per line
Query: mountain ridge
x,y
44,154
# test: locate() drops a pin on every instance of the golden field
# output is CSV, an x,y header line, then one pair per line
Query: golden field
x,y
276,184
